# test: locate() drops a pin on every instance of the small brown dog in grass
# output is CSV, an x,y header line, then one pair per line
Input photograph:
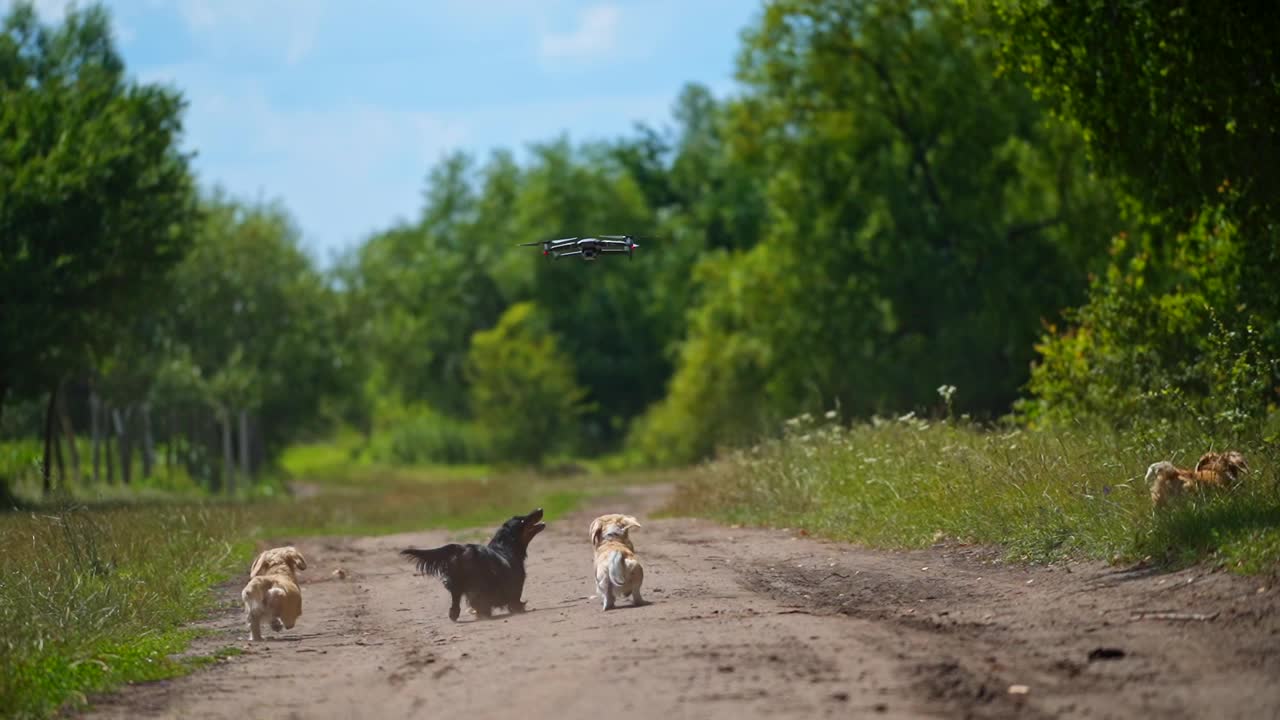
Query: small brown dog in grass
x,y
618,570
1214,471
272,592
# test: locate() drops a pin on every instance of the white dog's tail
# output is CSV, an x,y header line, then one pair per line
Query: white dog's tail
x,y
258,591
619,569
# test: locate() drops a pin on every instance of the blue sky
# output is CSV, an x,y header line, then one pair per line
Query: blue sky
x,y
340,107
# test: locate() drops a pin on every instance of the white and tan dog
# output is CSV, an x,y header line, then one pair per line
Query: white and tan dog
x,y
272,592
1214,471
618,570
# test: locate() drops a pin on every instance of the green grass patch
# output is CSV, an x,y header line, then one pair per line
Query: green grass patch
x,y
92,597
1042,495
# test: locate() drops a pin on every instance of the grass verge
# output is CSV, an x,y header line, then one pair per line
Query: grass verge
x,y
1042,495
91,598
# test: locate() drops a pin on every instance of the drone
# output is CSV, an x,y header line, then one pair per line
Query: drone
x,y
588,248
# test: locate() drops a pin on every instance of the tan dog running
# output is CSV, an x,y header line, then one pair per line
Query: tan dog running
x,y
272,591
1213,471
618,570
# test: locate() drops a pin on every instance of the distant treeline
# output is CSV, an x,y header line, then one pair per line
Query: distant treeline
x,y
1060,211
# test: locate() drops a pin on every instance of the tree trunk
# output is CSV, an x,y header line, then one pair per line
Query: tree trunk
x,y
69,433
58,456
228,460
259,457
148,442
45,484
108,447
95,433
122,438
245,470
171,444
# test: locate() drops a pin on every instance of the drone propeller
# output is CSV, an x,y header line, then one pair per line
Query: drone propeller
x,y
546,242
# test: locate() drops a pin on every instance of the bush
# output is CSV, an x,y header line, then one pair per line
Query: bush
x,y
1168,331
428,437
523,392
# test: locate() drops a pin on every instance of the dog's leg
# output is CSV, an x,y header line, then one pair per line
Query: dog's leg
x,y
637,579
255,627
606,592
455,608
277,624
483,611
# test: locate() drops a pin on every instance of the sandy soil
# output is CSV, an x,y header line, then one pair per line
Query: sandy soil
x,y
742,623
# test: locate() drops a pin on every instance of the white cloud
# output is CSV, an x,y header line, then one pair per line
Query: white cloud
x,y
124,32
596,35
343,170
290,26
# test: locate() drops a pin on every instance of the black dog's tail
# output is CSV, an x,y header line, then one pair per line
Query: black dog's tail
x,y
435,561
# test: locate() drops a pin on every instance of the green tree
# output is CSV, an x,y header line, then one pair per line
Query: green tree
x,y
1174,97
523,391
422,289
602,311
920,218
96,200
1177,101
261,324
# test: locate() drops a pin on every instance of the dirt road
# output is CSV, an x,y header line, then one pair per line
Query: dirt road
x,y
743,623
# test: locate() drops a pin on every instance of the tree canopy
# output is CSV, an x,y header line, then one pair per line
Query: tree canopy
x,y
1062,210
97,202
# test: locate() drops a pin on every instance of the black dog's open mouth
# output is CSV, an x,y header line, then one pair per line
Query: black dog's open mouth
x,y
533,524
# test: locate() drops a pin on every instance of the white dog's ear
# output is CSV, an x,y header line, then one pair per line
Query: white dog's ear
x,y
297,560
595,531
257,564
632,522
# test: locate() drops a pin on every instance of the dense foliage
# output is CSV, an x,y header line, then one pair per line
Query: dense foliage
x,y
96,202
1177,101
1061,209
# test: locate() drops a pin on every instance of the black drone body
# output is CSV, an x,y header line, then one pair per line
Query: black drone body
x,y
588,248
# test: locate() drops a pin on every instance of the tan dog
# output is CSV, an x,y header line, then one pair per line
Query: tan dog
x,y
618,571
1213,471
268,559
272,591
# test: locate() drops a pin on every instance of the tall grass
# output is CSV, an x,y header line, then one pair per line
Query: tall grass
x,y
90,598
1042,495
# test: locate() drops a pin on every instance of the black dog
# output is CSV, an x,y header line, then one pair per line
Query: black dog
x,y
491,576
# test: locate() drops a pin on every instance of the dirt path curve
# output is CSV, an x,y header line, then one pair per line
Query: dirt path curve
x,y
743,623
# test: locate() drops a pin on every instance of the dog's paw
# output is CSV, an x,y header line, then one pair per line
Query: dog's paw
x,y
277,624
517,607
454,612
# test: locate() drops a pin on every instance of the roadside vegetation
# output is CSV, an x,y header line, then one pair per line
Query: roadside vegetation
x,y
1041,495
1065,210
95,596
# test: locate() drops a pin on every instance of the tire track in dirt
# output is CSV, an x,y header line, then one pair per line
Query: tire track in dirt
x,y
743,623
